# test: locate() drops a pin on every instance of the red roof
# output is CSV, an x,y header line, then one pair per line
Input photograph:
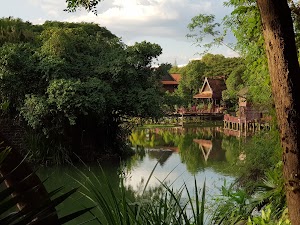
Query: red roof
x,y
169,82
176,76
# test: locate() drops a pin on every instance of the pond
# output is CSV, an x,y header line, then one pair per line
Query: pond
x,y
178,154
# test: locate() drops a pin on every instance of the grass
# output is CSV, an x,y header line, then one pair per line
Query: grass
x,y
165,207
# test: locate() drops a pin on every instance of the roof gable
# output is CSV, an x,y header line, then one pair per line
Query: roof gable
x,y
212,88
172,79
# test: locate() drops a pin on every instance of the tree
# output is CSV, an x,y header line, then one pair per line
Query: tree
x,y
234,83
16,31
89,5
191,80
175,69
86,83
219,65
244,23
284,70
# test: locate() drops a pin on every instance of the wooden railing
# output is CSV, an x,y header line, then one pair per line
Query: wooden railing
x,y
195,110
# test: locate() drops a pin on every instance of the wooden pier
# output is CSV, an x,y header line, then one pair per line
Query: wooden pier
x,y
243,125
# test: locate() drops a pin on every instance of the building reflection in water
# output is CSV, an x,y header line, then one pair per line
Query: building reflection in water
x,y
161,143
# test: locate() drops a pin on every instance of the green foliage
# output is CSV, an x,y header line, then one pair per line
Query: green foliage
x,y
263,152
142,54
272,191
233,206
244,22
160,206
89,5
265,219
191,80
294,6
16,31
17,71
218,65
236,204
234,83
171,101
78,80
73,97
204,25
34,109
175,69
40,214
163,70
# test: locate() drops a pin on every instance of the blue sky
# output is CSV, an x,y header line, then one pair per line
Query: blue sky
x,y
159,21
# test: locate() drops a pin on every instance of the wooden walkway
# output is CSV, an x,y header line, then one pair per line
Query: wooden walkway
x,y
196,115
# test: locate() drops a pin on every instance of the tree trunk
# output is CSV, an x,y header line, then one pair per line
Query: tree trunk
x,y
285,78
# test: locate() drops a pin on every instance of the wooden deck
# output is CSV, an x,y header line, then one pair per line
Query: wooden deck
x,y
243,125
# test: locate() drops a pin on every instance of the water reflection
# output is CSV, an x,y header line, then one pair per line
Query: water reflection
x,y
197,146
180,155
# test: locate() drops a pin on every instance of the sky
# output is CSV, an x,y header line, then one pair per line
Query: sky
x,y
163,22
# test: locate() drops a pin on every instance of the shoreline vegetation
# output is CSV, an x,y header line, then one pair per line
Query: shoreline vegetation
x,y
88,89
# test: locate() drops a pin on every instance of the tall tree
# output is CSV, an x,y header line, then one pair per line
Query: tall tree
x,y
284,70
191,80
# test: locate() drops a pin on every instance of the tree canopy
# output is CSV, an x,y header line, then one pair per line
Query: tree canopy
x,y
69,78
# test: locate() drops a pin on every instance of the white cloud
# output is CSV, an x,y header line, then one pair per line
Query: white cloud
x,y
160,21
165,18
52,8
231,53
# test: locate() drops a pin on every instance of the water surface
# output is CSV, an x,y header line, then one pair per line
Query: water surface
x,y
180,155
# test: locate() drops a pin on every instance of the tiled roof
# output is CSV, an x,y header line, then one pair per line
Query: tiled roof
x,y
217,86
169,82
171,79
168,77
176,76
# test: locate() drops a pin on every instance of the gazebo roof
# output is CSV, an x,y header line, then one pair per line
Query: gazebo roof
x,y
212,88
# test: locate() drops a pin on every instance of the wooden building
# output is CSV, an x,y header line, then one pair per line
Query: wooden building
x,y
248,117
246,110
170,82
211,90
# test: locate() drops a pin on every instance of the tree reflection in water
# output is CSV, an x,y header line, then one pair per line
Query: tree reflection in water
x,y
198,147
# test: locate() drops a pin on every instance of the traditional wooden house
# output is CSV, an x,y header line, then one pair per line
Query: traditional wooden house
x,y
211,90
248,117
246,110
170,81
